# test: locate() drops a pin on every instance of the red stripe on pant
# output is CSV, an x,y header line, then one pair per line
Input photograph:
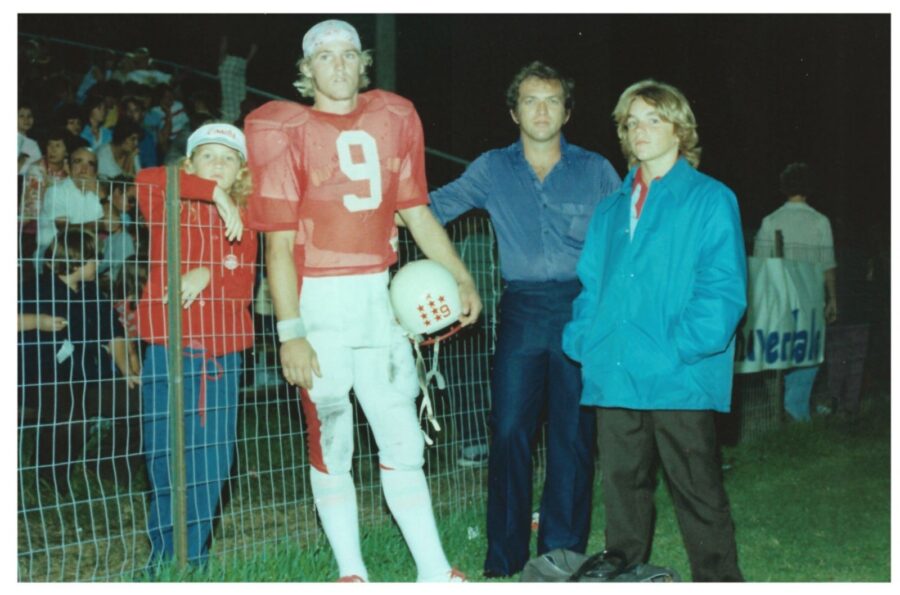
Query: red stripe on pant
x,y
314,431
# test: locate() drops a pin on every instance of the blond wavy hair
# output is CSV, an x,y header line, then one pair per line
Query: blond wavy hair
x,y
243,183
671,105
307,86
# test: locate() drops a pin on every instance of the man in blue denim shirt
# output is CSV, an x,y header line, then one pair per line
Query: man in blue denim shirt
x,y
540,193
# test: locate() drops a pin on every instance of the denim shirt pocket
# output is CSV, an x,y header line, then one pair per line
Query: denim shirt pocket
x,y
579,219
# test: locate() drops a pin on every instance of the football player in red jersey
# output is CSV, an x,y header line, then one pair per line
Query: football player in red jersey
x,y
330,180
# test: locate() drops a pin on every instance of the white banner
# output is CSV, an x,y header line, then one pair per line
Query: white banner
x,y
785,324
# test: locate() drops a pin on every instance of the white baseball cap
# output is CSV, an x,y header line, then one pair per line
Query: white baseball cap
x,y
220,134
328,31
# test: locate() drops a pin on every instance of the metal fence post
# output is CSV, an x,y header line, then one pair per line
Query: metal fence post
x,y
178,479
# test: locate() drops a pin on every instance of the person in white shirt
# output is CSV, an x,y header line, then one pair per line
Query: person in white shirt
x,y
120,156
807,238
73,201
143,72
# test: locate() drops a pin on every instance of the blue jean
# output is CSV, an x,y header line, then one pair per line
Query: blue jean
x,y
531,377
209,436
798,384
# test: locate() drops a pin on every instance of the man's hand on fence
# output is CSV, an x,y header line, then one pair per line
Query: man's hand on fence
x,y
133,381
231,216
134,361
299,362
46,322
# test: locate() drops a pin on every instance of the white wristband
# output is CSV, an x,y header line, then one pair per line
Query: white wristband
x,y
290,329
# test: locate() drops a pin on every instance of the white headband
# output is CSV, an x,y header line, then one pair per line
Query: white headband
x,y
328,31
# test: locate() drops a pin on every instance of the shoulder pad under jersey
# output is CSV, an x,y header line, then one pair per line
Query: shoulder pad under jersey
x,y
380,99
285,113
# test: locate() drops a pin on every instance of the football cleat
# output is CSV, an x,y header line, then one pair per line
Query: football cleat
x,y
455,576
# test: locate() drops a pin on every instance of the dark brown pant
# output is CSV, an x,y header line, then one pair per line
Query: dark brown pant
x,y
631,442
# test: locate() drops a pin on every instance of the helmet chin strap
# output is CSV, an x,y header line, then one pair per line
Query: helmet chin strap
x,y
450,332
426,409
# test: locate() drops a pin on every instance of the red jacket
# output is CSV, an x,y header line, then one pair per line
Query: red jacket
x,y
219,321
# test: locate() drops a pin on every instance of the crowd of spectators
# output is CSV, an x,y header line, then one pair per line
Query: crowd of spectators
x,y
90,120
87,124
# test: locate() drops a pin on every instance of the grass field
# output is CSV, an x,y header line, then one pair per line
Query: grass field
x,y
810,503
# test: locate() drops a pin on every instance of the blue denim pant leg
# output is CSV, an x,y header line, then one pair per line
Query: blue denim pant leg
x,y
210,449
155,421
531,374
798,384
517,392
565,520
209,446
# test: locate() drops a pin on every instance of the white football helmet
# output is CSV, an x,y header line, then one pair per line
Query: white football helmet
x,y
425,297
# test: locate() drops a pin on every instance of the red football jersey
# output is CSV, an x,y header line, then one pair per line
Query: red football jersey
x,y
337,179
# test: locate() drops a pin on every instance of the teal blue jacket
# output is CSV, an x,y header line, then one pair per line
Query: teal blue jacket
x,y
654,324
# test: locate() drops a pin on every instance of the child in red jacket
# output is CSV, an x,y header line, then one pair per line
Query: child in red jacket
x,y
217,273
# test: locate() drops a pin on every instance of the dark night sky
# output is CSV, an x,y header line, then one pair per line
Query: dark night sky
x,y
766,89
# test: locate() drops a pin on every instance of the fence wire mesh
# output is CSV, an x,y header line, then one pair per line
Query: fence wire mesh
x,y
84,464
83,484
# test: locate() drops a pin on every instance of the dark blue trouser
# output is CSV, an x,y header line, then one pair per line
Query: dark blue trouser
x,y
209,444
532,375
